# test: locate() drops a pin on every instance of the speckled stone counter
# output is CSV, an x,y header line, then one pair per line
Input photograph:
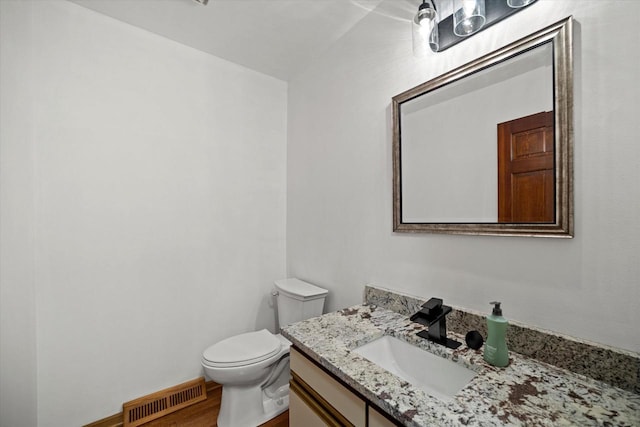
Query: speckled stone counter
x,y
613,366
526,393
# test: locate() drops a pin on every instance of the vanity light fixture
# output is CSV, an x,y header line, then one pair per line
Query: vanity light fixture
x,y
519,3
432,30
468,17
425,29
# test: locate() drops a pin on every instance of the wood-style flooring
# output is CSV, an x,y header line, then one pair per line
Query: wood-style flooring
x,y
205,413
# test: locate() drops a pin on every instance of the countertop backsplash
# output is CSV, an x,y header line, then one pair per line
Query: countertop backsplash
x,y
616,367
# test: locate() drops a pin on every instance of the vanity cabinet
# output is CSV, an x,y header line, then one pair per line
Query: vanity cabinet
x,y
316,399
376,419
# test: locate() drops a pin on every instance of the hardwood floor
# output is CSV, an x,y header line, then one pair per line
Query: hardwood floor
x,y
205,413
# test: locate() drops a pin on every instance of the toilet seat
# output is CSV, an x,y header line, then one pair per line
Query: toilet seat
x,y
242,350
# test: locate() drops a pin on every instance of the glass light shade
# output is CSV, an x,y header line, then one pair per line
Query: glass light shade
x,y
468,16
425,31
519,3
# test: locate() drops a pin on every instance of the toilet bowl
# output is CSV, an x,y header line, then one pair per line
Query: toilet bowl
x,y
253,367
245,365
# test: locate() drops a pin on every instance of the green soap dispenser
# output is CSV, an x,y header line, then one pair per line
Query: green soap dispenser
x,y
495,349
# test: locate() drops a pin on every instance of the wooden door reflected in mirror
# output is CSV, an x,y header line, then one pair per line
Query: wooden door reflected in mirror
x,y
526,190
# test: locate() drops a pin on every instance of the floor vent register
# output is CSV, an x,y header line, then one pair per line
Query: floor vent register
x,y
161,403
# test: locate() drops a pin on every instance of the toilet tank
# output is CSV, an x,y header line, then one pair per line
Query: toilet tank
x,y
298,300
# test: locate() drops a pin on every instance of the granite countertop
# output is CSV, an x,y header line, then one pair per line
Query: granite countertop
x,y
527,392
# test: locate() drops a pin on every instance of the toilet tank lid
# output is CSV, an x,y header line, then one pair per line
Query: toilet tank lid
x,y
299,289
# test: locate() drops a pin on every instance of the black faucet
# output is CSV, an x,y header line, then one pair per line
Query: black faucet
x,y
433,315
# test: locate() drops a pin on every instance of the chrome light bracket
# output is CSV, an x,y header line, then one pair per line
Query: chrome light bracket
x,y
495,11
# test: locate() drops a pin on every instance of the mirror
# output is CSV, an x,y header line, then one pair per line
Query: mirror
x,y
487,148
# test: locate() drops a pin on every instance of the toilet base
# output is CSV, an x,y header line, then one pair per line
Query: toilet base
x,y
277,403
251,406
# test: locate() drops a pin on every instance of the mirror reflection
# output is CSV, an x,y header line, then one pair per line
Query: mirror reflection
x,y
455,138
487,148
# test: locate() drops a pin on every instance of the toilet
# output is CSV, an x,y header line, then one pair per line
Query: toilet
x,y
253,367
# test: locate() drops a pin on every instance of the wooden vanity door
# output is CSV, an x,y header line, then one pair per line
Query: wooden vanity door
x,y
376,419
526,184
316,398
301,413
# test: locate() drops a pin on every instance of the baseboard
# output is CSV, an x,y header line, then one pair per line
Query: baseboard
x,y
117,420
211,385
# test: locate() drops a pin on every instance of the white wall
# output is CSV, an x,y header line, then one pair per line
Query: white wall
x,y
143,210
339,207
18,365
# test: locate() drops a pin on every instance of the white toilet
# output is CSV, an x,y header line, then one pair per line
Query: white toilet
x,y
253,367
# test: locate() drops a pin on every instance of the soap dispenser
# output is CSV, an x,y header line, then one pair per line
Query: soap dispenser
x,y
495,349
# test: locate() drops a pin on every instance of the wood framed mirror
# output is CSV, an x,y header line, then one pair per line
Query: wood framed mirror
x,y
487,148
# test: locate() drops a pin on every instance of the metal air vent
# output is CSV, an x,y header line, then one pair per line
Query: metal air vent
x,y
161,403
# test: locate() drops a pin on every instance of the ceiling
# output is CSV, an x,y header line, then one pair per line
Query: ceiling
x,y
274,37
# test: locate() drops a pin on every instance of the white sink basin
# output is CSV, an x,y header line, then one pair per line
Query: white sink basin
x,y
433,374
